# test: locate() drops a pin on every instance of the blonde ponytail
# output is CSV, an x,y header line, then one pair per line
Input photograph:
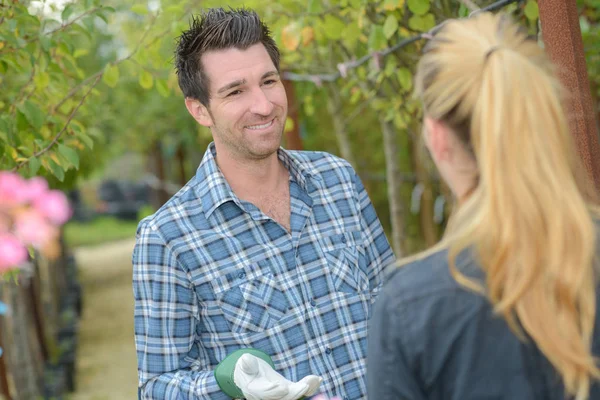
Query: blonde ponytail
x,y
529,221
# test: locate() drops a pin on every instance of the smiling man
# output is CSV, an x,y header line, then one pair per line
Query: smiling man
x,y
256,279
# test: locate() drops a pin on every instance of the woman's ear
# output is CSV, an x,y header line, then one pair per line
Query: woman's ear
x,y
437,139
199,111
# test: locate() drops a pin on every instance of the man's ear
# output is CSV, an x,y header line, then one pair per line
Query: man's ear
x,y
437,139
198,111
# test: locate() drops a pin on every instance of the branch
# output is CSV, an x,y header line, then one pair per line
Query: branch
x,y
63,130
344,67
64,26
470,5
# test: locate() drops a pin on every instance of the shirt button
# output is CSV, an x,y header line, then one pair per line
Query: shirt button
x,y
313,302
328,350
343,239
241,275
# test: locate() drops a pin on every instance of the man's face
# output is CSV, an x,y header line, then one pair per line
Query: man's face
x,y
248,104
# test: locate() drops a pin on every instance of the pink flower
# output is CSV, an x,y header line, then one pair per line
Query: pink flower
x,y
34,188
12,188
32,228
54,206
12,253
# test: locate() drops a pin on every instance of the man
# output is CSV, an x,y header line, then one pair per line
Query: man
x,y
274,252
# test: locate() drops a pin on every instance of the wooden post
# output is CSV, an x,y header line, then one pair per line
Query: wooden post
x,y
4,390
293,140
562,39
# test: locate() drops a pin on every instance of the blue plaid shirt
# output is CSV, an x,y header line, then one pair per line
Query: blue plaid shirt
x,y
213,274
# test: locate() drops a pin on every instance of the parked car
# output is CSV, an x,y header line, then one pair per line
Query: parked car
x,y
122,199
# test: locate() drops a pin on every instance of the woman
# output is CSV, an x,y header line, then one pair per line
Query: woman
x,y
505,307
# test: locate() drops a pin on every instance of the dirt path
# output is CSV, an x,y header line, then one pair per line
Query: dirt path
x,y
106,360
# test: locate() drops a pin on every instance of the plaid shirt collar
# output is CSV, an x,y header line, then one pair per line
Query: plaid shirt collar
x,y
214,189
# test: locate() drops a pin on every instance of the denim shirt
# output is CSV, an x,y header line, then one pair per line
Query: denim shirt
x,y
431,339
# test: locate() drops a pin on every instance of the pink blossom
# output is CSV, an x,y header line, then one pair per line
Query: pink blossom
x,y
12,188
12,252
34,188
32,228
54,206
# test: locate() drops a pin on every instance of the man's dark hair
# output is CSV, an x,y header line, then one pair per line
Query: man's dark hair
x,y
217,29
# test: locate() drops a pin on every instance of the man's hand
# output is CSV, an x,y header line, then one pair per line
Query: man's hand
x,y
258,381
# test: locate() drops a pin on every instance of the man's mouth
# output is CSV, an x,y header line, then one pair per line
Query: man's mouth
x,y
261,126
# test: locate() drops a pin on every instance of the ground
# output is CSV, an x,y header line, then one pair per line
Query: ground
x,y
106,361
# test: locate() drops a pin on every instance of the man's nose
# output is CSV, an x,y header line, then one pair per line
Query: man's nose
x,y
261,104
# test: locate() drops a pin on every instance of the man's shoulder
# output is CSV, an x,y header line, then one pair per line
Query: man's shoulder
x,y
325,165
319,160
168,221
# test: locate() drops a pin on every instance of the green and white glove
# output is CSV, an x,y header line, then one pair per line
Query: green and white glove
x,y
250,374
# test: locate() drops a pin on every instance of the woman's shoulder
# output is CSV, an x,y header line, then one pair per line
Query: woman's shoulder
x,y
428,274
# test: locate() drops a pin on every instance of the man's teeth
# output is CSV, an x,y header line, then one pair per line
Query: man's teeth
x,y
260,126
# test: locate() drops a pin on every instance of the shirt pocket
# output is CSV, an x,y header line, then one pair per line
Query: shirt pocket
x,y
342,256
250,298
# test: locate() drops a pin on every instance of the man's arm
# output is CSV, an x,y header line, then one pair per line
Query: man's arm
x,y
378,252
170,363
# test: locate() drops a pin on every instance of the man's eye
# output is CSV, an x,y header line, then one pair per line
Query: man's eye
x,y
235,92
270,81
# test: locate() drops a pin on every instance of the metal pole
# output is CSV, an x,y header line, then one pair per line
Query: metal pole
x,y
562,40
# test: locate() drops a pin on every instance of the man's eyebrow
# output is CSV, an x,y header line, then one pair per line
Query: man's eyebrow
x,y
268,74
231,85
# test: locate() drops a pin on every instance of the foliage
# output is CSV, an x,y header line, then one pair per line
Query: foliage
x,y
89,81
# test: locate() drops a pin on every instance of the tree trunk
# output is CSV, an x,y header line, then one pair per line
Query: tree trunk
x,y
428,227
334,106
392,167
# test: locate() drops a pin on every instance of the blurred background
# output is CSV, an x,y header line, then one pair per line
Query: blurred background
x,y
89,101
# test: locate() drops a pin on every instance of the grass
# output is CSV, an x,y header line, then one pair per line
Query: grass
x,y
98,231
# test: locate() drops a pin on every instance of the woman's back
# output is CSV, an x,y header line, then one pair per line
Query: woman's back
x,y
430,338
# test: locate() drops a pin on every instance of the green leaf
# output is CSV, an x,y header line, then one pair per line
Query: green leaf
x,y
421,23
41,80
405,78
532,11
146,79
34,165
67,11
69,154
377,40
111,75
162,88
333,27
390,26
34,115
46,42
418,7
56,170
80,53
140,9
351,34
86,140
584,25
315,6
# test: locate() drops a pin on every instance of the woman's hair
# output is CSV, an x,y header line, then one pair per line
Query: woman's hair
x,y
529,219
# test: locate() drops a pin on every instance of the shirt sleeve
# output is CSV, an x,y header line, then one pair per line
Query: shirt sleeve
x,y
170,364
389,375
377,249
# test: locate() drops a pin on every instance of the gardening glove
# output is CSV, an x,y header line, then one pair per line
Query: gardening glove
x,y
259,381
250,373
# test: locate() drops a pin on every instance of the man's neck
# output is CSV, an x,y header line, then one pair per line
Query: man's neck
x,y
250,179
